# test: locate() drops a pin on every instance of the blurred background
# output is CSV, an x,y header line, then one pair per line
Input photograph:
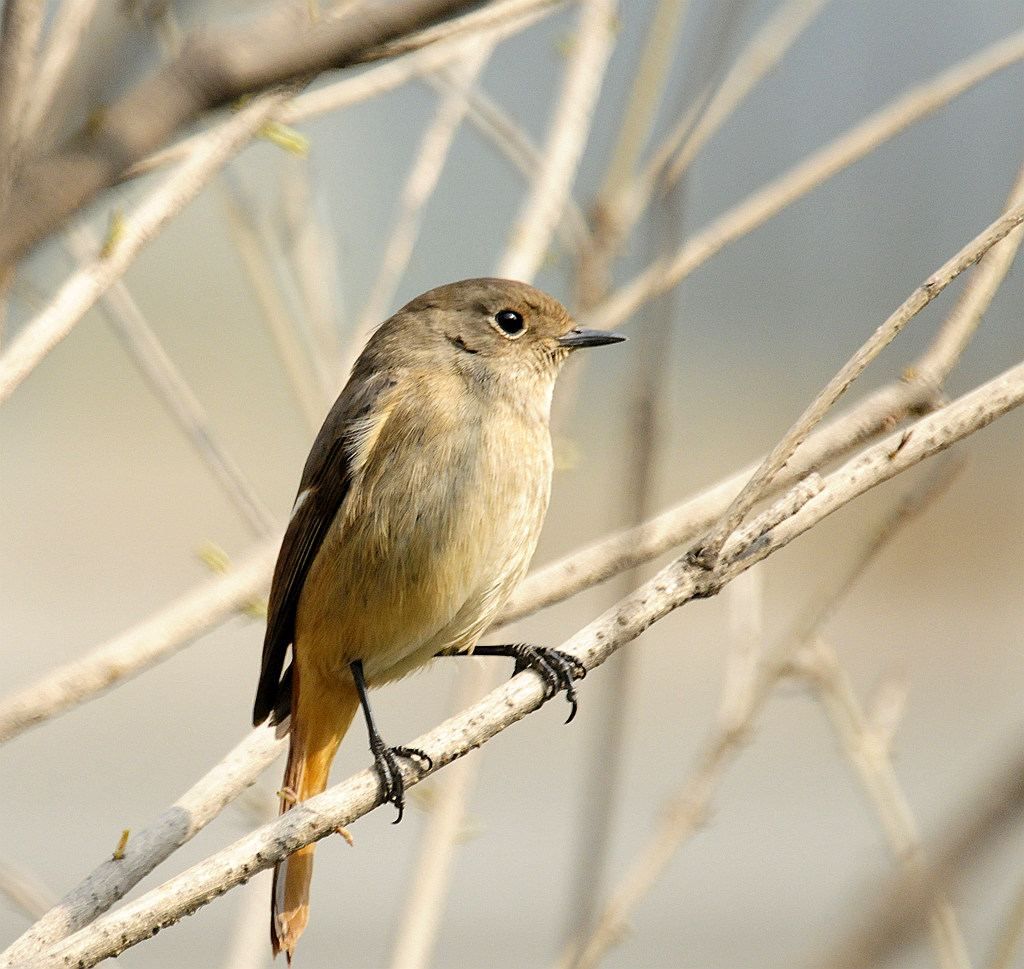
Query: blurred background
x,y
106,505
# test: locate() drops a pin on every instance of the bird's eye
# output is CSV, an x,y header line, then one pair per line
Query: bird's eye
x,y
509,322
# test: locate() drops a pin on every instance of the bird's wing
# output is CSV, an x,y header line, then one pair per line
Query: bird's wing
x,y
325,483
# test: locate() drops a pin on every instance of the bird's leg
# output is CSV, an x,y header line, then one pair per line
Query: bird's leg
x,y
385,759
557,669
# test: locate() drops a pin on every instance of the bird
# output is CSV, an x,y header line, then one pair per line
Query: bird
x,y
418,511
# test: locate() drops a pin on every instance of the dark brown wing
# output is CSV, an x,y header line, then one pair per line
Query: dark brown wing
x,y
325,482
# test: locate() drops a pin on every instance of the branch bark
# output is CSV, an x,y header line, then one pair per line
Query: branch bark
x,y
214,68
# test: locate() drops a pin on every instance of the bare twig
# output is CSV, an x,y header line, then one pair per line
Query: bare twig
x,y
850,147
147,848
771,42
311,256
1009,942
23,889
645,95
167,381
21,23
428,887
709,547
519,150
434,49
215,67
64,40
137,649
424,174
868,751
897,914
937,363
569,128
676,584
256,251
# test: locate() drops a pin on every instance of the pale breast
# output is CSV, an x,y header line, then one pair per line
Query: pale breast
x,y
439,526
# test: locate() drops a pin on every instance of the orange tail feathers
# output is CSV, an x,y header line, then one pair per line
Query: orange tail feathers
x,y
321,715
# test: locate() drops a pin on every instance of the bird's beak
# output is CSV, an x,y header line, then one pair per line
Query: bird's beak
x,y
588,338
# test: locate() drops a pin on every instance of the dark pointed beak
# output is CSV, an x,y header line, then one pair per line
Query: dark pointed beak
x,y
581,337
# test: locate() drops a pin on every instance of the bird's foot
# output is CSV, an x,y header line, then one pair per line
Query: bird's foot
x,y
557,669
385,762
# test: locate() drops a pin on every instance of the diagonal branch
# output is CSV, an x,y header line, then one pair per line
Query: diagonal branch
x,y
169,384
21,23
671,588
80,292
710,546
138,648
214,68
186,817
745,694
848,148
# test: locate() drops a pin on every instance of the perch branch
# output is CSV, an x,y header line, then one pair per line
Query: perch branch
x,y
676,584
146,849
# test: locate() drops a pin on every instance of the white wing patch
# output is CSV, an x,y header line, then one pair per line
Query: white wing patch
x,y
299,502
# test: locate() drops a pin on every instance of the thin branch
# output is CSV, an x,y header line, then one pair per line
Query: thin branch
x,y
135,650
750,683
256,251
88,283
645,95
710,546
311,256
768,46
435,51
1008,944
24,890
569,128
215,67
937,363
594,262
898,914
842,152
146,849
519,150
429,885
868,751
167,381
672,587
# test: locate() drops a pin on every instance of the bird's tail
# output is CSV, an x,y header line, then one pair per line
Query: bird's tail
x,y
321,715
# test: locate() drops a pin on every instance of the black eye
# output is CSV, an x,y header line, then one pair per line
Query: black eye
x,y
509,322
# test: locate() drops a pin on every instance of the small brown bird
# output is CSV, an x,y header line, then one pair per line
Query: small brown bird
x,y
418,512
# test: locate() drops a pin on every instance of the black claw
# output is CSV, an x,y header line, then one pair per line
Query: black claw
x,y
558,670
385,758
385,762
